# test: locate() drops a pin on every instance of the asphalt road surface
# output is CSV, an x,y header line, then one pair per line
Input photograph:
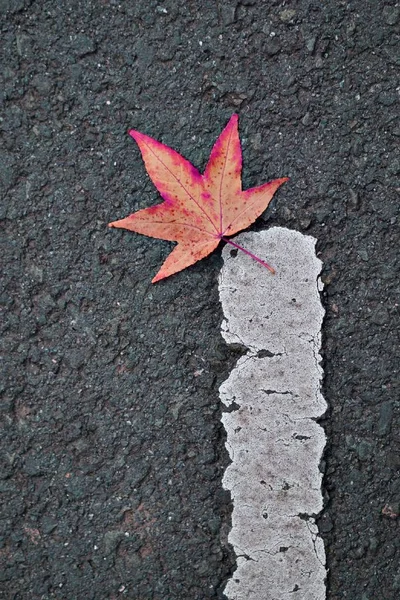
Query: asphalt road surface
x,y
112,446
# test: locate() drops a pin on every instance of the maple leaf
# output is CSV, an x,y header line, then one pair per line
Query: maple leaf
x,y
198,210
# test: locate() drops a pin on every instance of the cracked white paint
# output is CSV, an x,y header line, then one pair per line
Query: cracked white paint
x,y
274,395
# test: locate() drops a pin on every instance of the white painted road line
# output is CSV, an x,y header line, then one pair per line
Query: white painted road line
x,y
273,439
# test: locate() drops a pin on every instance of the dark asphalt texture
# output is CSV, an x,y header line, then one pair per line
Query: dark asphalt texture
x,y
112,449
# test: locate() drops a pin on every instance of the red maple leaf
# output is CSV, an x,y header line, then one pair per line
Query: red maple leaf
x,y
198,210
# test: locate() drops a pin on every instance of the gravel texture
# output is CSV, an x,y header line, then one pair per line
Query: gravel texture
x,y
112,446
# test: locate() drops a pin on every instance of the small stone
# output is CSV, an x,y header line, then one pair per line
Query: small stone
x,y
363,450
325,524
391,14
42,83
307,119
380,316
256,141
357,477
393,460
359,552
228,13
363,254
310,43
214,525
393,167
236,99
34,466
24,45
385,418
48,525
357,148
396,582
354,200
272,47
287,15
82,45
322,214
390,549
112,539
12,6
305,223
373,544
386,98
76,358
77,486
7,172
286,213
392,53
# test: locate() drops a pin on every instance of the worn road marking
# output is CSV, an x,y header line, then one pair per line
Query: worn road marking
x,y
273,439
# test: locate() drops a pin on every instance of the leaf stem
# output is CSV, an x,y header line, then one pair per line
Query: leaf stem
x,y
262,262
